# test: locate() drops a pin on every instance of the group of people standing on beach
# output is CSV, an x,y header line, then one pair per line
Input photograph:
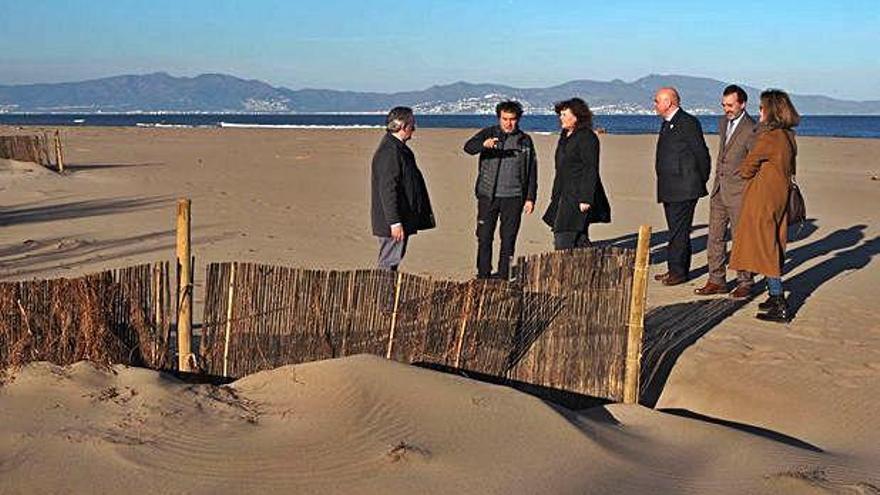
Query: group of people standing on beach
x,y
749,196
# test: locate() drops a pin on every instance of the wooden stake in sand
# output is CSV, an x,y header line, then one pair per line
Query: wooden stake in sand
x,y
394,315
59,154
465,313
229,319
636,327
157,305
184,287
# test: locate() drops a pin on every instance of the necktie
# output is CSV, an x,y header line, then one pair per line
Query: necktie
x,y
730,129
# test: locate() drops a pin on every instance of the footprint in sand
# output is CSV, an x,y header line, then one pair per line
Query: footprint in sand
x,y
816,480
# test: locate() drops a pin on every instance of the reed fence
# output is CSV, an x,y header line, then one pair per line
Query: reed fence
x,y
259,317
571,321
26,148
580,345
563,323
116,316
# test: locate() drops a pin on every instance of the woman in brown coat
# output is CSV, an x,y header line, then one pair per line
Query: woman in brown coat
x,y
760,236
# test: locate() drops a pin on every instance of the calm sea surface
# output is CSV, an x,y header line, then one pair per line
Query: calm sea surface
x,y
837,126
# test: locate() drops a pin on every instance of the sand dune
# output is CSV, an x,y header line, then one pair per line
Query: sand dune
x,y
747,406
367,425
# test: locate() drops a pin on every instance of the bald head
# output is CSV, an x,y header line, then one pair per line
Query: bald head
x,y
666,101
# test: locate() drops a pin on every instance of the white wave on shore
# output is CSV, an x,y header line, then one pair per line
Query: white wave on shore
x,y
170,126
299,126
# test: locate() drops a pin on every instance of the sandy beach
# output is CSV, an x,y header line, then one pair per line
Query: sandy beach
x,y
750,407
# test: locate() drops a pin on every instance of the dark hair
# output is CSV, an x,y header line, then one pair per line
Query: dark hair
x,y
579,108
509,106
741,95
779,112
397,118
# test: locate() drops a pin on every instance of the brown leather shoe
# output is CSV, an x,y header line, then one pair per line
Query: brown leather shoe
x,y
673,279
742,291
710,289
661,276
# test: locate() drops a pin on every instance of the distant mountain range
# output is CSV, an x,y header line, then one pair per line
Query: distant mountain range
x,y
220,93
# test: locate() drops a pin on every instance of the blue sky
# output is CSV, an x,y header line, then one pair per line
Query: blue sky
x,y
802,46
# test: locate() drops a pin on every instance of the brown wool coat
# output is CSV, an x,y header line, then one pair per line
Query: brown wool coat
x,y
760,236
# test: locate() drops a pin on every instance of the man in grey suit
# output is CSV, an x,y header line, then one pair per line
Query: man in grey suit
x,y
736,131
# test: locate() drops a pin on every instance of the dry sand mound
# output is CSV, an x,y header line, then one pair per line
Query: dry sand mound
x,y
15,169
367,425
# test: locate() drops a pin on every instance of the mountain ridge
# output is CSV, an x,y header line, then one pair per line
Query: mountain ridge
x,y
159,92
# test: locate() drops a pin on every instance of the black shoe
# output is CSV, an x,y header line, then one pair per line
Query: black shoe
x,y
769,303
778,313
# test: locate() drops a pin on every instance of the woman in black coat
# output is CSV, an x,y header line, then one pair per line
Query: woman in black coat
x,y
578,197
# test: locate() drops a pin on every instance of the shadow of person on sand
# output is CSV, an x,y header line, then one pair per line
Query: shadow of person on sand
x,y
797,233
804,284
671,329
839,239
659,238
802,230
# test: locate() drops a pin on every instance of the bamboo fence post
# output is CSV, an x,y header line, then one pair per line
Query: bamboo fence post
x,y
229,301
157,317
394,315
59,155
465,313
636,327
184,286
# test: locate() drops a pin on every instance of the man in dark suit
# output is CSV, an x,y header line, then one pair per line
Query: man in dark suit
x,y
400,204
683,165
736,132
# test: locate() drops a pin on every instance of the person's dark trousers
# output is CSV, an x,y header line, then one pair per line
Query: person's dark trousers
x,y
571,240
488,212
391,252
679,219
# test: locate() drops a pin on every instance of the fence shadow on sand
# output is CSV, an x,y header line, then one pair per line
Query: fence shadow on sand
x,y
41,212
669,331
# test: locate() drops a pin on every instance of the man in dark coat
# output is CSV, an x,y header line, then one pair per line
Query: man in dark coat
x,y
400,204
683,165
507,183
736,132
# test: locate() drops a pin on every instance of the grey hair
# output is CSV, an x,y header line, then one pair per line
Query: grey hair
x,y
398,118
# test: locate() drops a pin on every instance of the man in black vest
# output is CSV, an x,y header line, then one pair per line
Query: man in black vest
x,y
507,183
400,204
683,165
